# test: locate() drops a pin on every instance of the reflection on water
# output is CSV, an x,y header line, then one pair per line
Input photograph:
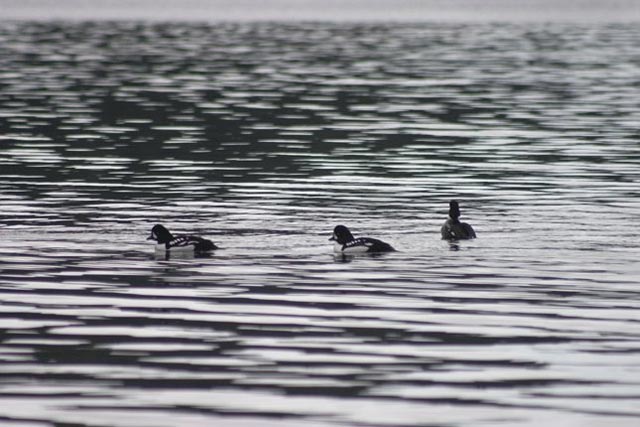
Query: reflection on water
x,y
263,137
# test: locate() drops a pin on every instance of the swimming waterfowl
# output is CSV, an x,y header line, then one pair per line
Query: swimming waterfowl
x,y
453,229
183,242
345,243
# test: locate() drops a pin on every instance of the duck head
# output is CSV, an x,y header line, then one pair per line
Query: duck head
x,y
341,234
454,210
160,234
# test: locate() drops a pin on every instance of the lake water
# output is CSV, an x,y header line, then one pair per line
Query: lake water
x,y
263,137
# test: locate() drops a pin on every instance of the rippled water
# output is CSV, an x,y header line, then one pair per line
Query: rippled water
x,y
262,137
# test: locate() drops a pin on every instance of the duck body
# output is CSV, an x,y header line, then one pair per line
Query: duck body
x,y
453,228
345,243
183,242
456,230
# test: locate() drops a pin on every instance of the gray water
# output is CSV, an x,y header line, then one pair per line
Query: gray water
x,y
263,137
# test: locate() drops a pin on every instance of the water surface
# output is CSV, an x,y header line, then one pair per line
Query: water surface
x,y
263,137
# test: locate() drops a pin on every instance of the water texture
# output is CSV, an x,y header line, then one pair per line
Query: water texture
x,y
263,137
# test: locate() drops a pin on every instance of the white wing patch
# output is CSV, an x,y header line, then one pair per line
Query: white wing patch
x,y
182,242
356,246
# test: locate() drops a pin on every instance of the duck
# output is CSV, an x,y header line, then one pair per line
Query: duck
x,y
345,243
183,242
453,229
